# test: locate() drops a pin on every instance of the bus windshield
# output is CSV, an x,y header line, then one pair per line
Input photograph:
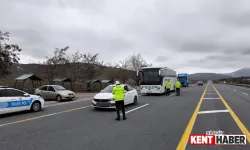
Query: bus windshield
x,y
150,77
182,78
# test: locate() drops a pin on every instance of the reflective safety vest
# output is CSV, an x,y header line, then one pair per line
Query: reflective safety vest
x,y
118,92
168,85
178,84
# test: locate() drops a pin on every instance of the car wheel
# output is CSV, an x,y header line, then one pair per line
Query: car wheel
x,y
59,98
36,106
135,100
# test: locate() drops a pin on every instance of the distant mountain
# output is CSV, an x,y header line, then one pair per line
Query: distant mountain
x,y
207,76
244,72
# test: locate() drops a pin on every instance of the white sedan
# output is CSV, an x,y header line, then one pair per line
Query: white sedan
x,y
105,99
13,100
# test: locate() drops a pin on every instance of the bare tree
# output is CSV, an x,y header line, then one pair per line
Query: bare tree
x,y
92,65
121,72
56,63
134,63
75,69
8,54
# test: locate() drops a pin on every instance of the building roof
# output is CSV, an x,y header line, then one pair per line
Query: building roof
x,y
93,81
29,76
62,80
106,81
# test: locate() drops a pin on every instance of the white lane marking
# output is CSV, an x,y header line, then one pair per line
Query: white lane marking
x,y
212,111
136,108
244,93
43,116
211,98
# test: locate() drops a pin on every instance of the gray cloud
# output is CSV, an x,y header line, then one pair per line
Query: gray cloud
x,y
202,34
161,59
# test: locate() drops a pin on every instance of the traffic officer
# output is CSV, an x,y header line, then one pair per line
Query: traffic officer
x,y
178,87
168,86
119,94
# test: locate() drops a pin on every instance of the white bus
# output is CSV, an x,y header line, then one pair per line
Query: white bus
x,y
153,79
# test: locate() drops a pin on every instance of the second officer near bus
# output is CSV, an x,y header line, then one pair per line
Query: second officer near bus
x,y
168,86
178,87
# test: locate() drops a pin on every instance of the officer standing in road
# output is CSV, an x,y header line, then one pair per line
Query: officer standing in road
x,y
119,95
178,87
168,86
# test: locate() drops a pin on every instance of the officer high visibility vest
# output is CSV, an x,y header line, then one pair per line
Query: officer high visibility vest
x,y
178,84
118,92
168,85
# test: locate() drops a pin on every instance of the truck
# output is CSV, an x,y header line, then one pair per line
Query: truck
x,y
153,79
184,79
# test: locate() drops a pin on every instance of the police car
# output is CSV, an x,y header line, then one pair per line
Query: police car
x,y
14,100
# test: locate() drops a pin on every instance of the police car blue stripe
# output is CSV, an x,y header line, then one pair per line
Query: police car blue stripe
x,y
16,103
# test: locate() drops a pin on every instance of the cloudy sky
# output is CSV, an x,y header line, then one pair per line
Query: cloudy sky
x,y
186,35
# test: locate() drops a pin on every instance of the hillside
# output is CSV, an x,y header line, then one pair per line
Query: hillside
x,y
38,69
244,72
107,73
207,76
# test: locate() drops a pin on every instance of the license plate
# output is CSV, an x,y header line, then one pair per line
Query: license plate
x,y
103,104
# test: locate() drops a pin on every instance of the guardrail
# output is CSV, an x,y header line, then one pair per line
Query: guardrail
x,y
244,85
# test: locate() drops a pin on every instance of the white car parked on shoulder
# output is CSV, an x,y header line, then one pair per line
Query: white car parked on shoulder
x,y
105,99
13,100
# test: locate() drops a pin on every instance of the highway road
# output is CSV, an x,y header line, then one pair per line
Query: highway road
x,y
157,122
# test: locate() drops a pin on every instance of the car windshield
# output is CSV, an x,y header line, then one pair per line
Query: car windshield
x,y
108,89
59,88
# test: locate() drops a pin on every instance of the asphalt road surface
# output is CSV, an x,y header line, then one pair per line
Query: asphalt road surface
x,y
155,123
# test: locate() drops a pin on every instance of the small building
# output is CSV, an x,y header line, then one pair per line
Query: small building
x,y
105,83
63,80
35,80
93,85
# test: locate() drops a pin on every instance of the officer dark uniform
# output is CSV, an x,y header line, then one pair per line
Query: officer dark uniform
x,y
178,87
168,87
118,92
